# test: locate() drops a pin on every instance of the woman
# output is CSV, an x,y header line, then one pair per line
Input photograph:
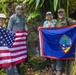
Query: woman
x,y
50,22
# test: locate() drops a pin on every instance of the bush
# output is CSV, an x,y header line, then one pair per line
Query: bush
x,y
37,63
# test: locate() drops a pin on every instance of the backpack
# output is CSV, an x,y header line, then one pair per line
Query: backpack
x,y
67,22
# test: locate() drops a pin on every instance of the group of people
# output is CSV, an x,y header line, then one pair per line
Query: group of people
x,y
17,22
60,22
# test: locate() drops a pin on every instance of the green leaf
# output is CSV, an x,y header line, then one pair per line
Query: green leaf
x,y
31,7
64,4
25,1
42,3
55,4
31,1
4,8
32,15
37,4
51,3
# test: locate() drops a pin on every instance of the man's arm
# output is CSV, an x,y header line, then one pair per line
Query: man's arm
x,y
10,23
26,27
71,21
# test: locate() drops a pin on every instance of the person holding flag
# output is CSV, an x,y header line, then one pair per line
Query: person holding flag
x,y
17,23
62,22
50,22
6,41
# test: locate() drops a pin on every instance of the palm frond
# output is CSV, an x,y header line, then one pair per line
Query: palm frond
x,y
37,4
32,15
55,4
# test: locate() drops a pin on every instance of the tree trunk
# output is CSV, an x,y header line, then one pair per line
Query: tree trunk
x,y
67,12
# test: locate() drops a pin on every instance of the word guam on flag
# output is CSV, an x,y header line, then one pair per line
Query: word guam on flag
x,y
58,42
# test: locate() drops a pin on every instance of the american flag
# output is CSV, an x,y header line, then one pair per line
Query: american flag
x,y
16,54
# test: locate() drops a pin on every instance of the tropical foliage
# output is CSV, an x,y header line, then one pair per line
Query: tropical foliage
x,y
36,6
3,6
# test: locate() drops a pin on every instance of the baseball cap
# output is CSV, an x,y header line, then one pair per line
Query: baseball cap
x,y
49,13
61,9
2,15
18,7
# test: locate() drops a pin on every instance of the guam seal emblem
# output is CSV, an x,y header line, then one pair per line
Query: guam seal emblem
x,y
65,43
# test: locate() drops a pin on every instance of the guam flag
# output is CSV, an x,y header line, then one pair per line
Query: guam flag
x,y
58,42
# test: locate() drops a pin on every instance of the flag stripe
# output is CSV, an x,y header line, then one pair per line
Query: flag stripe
x,y
13,60
4,51
19,34
18,48
22,38
12,63
19,45
8,57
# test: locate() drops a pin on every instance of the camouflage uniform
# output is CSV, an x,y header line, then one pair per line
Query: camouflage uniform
x,y
64,22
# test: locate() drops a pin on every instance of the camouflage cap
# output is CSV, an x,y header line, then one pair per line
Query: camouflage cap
x,y
61,9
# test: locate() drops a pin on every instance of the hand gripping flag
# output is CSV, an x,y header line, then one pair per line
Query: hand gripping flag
x,y
12,47
58,43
